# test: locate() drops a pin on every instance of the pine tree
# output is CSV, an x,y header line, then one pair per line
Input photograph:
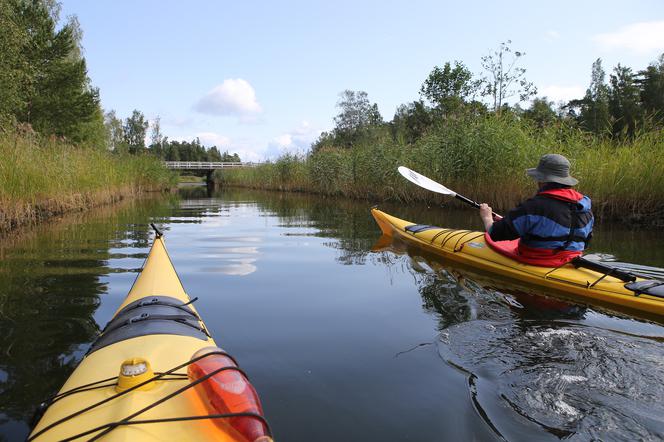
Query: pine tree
x,y
624,101
595,105
651,82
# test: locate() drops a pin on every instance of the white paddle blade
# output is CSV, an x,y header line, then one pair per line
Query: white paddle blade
x,y
424,182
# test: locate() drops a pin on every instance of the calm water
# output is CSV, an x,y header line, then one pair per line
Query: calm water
x,y
342,342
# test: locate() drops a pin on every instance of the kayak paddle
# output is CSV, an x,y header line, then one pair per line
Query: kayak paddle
x,y
429,184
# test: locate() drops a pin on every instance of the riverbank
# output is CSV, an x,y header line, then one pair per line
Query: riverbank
x,y
42,178
483,158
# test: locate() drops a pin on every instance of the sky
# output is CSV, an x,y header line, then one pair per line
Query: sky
x,y
262,78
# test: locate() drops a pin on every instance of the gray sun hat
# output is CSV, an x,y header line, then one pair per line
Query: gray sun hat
x,y
553,168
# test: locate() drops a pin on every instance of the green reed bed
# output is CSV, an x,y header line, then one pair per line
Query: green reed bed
x,y
483,158
44,177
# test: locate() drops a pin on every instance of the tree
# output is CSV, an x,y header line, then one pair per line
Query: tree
x,y
411,121
157,139
356,111
595,116
115,131
651,82
55,92
135,129
450,87
506,79
541,112
593,108
12,69
355,116
624,101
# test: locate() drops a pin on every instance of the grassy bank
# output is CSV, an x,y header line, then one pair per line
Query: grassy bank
x,y
40,178
483,158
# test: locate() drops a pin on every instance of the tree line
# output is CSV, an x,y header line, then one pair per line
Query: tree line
x,y
129,136
631,101
45,88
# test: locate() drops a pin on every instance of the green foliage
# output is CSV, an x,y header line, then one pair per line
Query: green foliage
x,y
541,112
356,118
134,130
449,88
624,101
484,157
651,82
50,175
411,121
593,108
12,68
190,151
115,133
43,77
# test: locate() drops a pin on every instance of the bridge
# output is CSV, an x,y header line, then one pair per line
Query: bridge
x,y
206,166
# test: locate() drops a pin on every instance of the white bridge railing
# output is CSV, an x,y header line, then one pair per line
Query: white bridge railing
x,y
205,165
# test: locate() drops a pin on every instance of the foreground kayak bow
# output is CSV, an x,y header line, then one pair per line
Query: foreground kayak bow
x,y
155,373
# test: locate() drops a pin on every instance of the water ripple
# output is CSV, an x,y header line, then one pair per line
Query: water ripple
x,y
572,380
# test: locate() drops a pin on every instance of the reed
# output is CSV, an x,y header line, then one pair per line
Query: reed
x,y
484,158
40,178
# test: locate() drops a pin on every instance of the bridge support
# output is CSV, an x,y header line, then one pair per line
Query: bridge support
x,y
208,177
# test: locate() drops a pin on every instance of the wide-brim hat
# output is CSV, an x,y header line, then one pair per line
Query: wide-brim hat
x,y
553,168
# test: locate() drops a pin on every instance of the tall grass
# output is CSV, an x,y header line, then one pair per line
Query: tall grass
x,y
44,177
484,158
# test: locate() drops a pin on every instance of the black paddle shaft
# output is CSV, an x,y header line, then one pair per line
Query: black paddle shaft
x,y
467,201
602,268
475,204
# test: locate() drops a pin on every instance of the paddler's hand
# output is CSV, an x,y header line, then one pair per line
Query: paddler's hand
x,y
486,213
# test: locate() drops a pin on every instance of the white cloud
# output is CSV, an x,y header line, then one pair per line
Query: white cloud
x,y
641,38
233,97
561,93
552,35
213,139
284,140
297,141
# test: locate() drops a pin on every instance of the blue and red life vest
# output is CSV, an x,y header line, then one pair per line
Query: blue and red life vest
x,y
552,228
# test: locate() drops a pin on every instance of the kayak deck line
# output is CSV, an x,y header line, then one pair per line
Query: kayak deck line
x,y
156,327
470,248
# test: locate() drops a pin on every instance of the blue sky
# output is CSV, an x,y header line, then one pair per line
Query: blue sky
x,y
260,78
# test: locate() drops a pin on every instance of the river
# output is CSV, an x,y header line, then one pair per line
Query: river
x,y
341,342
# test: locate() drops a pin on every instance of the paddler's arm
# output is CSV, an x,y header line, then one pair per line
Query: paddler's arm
x,y
500,230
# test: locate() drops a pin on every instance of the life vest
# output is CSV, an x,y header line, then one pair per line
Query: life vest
x,y
553,227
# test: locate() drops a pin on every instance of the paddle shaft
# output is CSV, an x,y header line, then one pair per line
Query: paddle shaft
x,y
475,205
602,268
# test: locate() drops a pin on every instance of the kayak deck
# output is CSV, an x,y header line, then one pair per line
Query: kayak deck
x,y
156,323
470,248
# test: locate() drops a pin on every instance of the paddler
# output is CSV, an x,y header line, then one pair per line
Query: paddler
x,y
557,222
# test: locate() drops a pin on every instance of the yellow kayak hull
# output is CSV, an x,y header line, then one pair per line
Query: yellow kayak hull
x,y
163,351
469,248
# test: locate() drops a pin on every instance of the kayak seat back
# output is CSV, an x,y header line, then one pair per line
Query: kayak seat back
x,y
156,315
511,250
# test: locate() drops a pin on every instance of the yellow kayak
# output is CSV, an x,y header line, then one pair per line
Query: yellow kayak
x,y
470,248
154,374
